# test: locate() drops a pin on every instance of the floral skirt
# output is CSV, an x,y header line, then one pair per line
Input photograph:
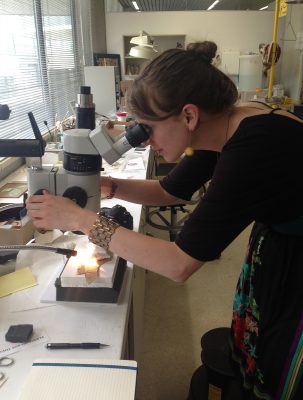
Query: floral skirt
x,y
267,326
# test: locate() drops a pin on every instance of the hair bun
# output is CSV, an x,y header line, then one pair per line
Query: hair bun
x,y
207,50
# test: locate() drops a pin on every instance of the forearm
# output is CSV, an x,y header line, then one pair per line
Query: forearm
x,y
165,258
156,255
140,191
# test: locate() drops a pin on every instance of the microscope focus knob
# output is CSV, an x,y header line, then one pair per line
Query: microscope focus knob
x,y
77,194
39,192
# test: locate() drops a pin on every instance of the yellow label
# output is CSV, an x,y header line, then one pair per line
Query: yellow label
x,y
214,393
283,8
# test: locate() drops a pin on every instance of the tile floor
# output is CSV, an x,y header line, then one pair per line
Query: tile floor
x,y
177,315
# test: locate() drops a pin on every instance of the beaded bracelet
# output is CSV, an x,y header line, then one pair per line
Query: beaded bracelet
x,y
102,231
113,189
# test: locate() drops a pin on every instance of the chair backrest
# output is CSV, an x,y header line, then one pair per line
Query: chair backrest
x,y
162,168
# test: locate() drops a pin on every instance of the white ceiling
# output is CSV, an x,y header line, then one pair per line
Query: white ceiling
x,y
183,5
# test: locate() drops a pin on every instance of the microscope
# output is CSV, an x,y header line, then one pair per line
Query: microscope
x,y
83,150
78,179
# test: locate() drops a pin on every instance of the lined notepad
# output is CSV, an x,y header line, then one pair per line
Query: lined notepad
x,y
95,379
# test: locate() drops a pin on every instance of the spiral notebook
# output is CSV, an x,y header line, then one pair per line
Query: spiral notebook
x,y
70,379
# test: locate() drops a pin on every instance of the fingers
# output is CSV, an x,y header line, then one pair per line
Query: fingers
x,y
35,199
35,206
38,198
38,222
49,211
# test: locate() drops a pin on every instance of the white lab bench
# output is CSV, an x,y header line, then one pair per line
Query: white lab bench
x,y
119,325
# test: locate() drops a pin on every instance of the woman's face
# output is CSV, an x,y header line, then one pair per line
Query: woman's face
x,y
168,138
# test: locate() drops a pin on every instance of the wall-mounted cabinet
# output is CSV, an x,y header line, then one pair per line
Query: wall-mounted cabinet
x,y
132,65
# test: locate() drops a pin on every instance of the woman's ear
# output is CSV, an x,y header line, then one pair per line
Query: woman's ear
x,y
192,116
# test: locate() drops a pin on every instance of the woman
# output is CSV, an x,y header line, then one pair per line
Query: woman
x,y
253,156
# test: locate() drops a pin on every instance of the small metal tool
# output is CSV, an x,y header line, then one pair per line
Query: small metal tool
x,y
5,362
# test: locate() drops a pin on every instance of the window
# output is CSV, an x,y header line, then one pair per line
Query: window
x,y
44,45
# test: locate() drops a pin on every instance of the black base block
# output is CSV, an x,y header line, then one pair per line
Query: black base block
x,y
93,295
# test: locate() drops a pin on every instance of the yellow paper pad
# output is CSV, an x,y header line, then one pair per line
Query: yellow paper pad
x,y
21,279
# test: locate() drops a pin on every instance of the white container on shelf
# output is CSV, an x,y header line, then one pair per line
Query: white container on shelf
x,y
121,116
250,72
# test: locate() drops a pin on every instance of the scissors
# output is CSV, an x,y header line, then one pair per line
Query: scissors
x,y
5,362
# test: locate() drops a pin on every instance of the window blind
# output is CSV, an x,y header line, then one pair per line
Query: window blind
x,y
44,45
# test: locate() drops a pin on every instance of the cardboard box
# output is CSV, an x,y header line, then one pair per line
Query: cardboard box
x,y
15,236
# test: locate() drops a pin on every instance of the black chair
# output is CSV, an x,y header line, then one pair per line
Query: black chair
x,y
169,218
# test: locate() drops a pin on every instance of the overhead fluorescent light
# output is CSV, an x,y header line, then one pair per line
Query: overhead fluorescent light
x,y
213,4
135,5
263,8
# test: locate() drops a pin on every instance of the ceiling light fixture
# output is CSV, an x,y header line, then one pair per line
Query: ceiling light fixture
x,y
213,5
263,8
135,5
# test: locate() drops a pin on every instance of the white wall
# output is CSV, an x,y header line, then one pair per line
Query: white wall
x,y
292,58
231,30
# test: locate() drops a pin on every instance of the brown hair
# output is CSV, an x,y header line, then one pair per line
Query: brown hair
x,y
209,49
177,77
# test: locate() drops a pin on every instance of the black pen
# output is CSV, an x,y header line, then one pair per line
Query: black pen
x,y
63,346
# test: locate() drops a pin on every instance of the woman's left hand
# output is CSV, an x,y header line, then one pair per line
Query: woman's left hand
x,y
56,212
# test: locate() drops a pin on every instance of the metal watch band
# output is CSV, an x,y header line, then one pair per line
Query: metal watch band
x,y
102,231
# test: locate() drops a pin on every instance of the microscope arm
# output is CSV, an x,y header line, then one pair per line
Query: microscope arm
x,y
20,148
112,149
24,147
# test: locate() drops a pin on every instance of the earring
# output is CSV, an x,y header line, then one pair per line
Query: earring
x,y
189,151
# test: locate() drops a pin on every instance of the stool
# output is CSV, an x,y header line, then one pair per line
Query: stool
x,y
178,213
173,224
215,357
215,378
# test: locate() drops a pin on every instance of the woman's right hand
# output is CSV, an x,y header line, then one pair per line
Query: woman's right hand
x,y
56,212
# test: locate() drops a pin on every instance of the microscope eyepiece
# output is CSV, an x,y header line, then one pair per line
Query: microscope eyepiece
x,y
136,134
85,109
85,90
